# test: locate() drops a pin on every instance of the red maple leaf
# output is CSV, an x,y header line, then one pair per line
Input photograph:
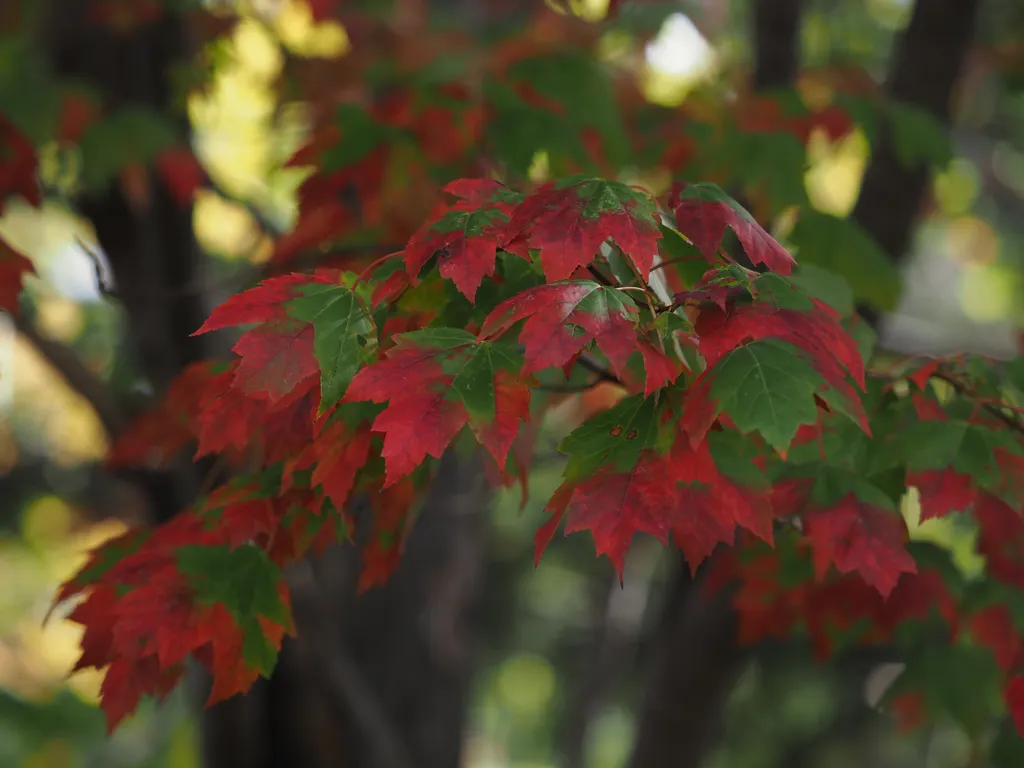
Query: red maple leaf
x,y
856,536
703,212
709,506
467,234
614,506
562,318
942,491
569,219
391,520
832,350
427,408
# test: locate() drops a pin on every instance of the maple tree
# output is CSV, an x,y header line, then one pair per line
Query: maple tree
x,y
751,414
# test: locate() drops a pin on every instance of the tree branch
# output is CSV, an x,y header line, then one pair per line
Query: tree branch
x,y
86,383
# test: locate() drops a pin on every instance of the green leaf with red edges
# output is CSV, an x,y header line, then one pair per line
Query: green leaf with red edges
x,y
344,335
466,235
817,332
436,381
568,220
703,212
766,386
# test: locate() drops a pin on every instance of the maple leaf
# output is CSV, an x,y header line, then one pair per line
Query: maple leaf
x,y
435,381
703,212
765,386
392,518
856,535
467,235
709,505
308,324
247,583
569,219
563,317
817,332
614,485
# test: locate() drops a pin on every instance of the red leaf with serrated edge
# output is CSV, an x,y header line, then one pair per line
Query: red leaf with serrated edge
x,y
614,506
418,424
942,491
419,420
391,519
569,220
1015,702
556,327
228,419
263,302
276,358
12,266
709,506
855,536
704,222
512,408
125,682
160,617
661,369
466,242
340,453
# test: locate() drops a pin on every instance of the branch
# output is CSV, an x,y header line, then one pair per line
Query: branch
x,y
82,380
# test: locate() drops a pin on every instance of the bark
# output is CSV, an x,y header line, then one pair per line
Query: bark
x,y
927,61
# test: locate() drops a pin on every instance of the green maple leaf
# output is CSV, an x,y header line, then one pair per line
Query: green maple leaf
x,y
245,581
344,335
766,386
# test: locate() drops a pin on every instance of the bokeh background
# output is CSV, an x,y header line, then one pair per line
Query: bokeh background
x,y
554,635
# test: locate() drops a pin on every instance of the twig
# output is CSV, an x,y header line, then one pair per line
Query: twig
x,y
603,374
82,380
995,410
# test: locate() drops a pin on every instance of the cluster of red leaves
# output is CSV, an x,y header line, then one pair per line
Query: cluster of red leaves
x,y
321,403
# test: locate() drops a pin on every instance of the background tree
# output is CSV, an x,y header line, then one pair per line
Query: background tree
x,y
423,95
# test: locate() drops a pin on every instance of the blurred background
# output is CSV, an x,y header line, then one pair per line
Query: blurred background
x,y
560,647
